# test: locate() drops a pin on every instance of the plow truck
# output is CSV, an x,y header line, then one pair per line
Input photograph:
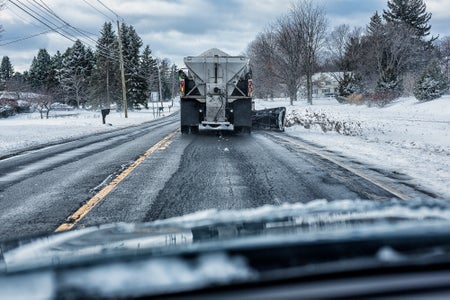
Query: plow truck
x,y
216,93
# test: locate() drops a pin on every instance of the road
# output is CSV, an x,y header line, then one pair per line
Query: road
x,y
41,190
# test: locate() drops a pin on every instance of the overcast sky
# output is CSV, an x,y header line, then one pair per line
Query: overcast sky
x,y
178,28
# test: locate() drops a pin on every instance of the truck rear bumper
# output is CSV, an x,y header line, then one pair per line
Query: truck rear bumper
x,y
216,126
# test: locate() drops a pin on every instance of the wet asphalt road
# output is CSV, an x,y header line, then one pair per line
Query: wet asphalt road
x,y
40,189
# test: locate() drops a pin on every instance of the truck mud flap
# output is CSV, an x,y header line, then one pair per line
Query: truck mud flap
x,y
269,119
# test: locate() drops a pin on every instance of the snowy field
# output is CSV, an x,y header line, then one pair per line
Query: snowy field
x,y
25,131
407,136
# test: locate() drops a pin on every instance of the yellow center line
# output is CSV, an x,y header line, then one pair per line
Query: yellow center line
x,y
91,203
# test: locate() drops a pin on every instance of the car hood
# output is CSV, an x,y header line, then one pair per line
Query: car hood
x,y
228,240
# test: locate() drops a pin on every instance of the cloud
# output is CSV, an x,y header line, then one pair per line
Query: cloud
x,y
178,28
440,10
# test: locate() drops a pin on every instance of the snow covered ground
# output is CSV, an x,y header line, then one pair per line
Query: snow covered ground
x,y
407,136
23,131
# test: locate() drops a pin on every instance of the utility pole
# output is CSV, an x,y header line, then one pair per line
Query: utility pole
x,y
173,82
159,80
122,71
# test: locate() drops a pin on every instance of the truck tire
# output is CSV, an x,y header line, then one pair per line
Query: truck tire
x,y
189,129
194,129
184,129
189,115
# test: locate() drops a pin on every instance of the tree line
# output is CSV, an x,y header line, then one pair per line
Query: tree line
x,y
90,78
393,55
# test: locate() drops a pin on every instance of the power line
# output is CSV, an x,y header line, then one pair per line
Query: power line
x,y
99,11
46,16
49,11
26,38
42,13
25,20
27,11
113,12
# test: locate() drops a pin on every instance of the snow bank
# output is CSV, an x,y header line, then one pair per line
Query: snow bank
x,y
28,130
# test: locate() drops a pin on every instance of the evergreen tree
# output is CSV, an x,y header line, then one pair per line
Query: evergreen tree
x,y
56,75
376,33
135,82
77,69
6,69
18,82
431,84
166,79
174,89
354,65
40,72
411,13
147,70
105,84
153,79
411,16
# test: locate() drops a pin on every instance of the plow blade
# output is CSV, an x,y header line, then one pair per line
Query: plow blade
x,y
269,119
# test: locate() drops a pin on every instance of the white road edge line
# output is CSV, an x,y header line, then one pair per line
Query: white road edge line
x,y
348,168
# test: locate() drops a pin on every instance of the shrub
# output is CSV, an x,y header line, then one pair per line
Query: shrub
x,y
431,84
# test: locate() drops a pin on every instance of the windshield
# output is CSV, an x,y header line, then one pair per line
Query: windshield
x,y
202,136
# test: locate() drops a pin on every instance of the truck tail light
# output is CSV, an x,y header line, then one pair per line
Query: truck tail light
x,y
182,87
250,88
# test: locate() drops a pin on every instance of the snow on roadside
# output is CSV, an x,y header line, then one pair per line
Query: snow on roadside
x,y
28,130
407,137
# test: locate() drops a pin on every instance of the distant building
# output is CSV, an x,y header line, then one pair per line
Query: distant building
x,y
324,85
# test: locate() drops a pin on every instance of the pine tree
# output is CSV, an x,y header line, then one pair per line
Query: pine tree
x,y
56,75
431,84
105,84
377,50
146,69
376,32
40,72
77,69
411,13
166,79
411,16
135,83
406,51
6,69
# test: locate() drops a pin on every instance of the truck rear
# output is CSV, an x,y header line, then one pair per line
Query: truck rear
x,y
216,93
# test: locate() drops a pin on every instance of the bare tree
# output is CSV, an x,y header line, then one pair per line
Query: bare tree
x,y
310,27
262,62
276,60
43,104
290,48
288,57
336,45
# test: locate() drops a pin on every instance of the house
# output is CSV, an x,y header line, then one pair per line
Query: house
x,y
324,85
